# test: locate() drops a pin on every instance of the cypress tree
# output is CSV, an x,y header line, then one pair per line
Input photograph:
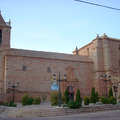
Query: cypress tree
x,y
93,96
110,93
66,94
97,97
78,96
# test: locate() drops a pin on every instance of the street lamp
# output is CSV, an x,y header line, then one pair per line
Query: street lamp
x,y
104,78
60,80
13,86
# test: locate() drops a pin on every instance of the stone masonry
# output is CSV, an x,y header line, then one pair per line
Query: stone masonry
x,y
34,69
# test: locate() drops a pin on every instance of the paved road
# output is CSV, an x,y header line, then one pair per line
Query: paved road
x,y
105,115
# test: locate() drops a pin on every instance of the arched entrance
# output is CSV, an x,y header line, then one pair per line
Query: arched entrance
x,y
70,92
71,86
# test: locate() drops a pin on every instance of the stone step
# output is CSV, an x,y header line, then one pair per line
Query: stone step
x,y
39,112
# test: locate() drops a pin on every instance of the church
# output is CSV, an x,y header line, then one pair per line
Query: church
x,y
31,71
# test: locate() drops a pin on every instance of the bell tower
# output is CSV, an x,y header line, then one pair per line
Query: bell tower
x,y
5,30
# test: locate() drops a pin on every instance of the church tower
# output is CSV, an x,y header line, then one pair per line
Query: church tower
x,y
5,30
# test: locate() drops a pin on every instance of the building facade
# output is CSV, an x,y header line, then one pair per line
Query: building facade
x,y
34,69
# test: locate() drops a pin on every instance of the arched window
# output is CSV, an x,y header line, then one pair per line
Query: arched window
x,y
0,36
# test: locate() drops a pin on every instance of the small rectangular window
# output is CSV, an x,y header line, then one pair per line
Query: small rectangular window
x,y
24,68
48,69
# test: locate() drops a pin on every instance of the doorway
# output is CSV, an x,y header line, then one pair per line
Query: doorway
x,y
71,96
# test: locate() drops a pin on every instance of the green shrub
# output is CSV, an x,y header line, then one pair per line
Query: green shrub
x,y
54,98
25,99
12,104
104,100
97,96
37,101
66,94
44,97
110,93
78,97
86,100
112,100
30,101
6,104
93,96
74,104
62,99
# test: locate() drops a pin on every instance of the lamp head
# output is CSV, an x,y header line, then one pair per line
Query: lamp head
x,y
65,77
109,77
105,75
54,76
18,84
101,77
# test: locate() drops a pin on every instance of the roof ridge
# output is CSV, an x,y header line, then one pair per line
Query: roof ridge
x,y
48,55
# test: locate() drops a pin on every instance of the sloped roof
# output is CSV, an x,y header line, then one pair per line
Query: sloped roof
x,y
2,22
48,55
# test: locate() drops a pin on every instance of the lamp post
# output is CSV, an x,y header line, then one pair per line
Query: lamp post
x,y
13,86
104,78
60,80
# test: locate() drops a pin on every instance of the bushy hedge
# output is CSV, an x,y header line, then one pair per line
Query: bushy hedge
x,y
74,104
110,100
27,100
11,104
104,100
86,100
54,98
36,101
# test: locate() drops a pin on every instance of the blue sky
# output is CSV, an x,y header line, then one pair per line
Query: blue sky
x,y
59,25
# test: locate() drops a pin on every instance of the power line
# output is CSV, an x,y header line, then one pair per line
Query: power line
x,y
98,5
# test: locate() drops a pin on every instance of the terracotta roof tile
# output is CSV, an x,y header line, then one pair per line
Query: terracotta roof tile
x,y
49,55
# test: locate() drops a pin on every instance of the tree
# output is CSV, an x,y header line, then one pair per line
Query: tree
x,y
93,96
97,96
86,100
78,97
54,98
110,93
66,94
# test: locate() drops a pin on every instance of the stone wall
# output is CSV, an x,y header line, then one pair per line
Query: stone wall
x,y
37,79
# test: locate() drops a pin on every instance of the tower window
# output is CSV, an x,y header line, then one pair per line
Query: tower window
x,y
24,68
48,69
0,36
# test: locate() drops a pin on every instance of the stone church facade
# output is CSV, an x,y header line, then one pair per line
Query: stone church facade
x,y
34,69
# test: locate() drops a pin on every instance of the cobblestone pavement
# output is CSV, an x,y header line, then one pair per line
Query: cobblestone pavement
x,y
104,115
